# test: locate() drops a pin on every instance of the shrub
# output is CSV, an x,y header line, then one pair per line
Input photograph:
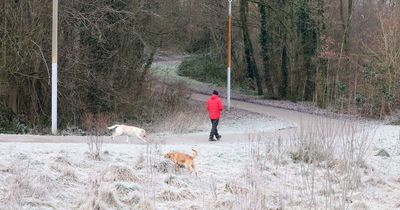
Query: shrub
x,y
204,67
96,128
9,122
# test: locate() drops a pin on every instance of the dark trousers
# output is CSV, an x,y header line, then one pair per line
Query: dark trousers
x,y
214,130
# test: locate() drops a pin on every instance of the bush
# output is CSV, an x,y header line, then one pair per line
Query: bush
x,y
103,54
204,67
9,122
96,128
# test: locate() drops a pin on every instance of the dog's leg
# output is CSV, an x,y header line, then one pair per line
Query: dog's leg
x,y
188,168
139,137
191,168
194,169
176,167
127,139
115,134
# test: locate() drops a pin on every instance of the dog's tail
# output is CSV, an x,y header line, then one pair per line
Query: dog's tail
x,y
194,153
112,127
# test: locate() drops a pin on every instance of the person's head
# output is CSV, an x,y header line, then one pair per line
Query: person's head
x,y
215,92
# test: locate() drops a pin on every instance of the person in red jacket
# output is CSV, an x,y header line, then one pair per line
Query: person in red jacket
x,y
214,107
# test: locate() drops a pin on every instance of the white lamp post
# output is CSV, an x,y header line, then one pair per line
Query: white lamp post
x,y
54,70
229,54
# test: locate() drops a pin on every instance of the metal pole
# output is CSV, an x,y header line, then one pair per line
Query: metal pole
x,y
54,70
229,55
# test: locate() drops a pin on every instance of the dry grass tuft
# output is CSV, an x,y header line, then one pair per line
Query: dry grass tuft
x,y
68,174
307,155
21,156
131,199
174,181
62,159
106,195
359,206
191,118
254,195
194,207
119,173
66,170
129,193
164,166
235,188
100,196
144,205
226,202
172,195
126,187
23,186
139,163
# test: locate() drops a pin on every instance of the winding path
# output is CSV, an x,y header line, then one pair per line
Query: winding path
x,y
304,120
300,119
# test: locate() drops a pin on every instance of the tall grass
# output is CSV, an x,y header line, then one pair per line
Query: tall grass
x,y
189,118
329,157
24,187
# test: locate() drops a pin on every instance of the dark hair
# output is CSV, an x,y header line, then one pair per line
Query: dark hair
x,y
215,92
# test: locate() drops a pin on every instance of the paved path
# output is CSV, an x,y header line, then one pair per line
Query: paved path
x,y
305,120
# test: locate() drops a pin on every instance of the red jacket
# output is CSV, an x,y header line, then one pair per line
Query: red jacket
x,y
214,107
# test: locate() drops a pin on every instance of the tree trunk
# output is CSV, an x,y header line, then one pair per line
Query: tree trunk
x,y
321,89
309,90
346,24
264,41
13,99
252,71
284,70
345,45
307,30
321,95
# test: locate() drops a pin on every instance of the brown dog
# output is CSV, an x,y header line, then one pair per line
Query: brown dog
x,y
182,159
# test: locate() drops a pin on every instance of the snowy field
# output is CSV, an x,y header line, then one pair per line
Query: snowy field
x,y
259,173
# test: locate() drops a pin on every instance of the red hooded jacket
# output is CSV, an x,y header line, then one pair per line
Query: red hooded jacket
x,y
214,107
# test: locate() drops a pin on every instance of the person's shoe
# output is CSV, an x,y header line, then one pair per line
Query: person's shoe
x,y
219,137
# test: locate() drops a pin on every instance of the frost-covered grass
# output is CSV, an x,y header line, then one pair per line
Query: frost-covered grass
x,y
259,173
197,122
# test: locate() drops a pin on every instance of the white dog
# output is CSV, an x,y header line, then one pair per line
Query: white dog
x,y
128,131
